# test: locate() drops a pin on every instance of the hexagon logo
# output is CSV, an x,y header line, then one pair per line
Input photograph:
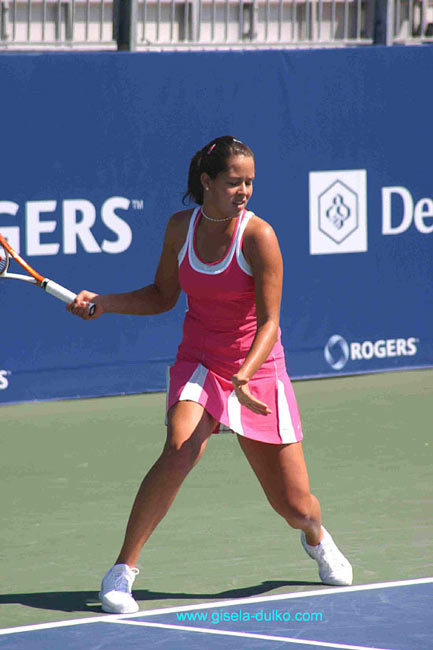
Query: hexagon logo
x,y
338,211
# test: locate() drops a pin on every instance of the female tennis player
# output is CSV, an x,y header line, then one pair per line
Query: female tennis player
x,y
230,367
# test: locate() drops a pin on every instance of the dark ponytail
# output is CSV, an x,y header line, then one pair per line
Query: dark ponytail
x,y
212,160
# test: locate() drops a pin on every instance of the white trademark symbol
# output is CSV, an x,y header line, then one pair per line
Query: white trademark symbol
x,y
137,204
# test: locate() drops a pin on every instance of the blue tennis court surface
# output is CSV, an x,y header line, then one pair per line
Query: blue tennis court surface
x,y
387,616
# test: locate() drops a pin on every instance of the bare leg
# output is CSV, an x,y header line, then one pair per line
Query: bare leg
x,y
189,428
283,476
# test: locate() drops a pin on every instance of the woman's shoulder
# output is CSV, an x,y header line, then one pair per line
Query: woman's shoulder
x,y
177,227
260,242
180,219
258,229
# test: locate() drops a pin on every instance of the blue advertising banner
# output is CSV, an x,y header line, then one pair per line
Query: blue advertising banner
x,y
95,153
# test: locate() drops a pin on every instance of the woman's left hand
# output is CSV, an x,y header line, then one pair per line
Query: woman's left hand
x,y
244,396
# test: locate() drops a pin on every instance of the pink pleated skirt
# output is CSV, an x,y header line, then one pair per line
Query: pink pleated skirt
x,y
190,380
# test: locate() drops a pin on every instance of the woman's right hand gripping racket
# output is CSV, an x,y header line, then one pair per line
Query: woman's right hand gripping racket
x,y
33,277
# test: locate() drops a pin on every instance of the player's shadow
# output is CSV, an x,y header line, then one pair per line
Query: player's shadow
x,y
87,601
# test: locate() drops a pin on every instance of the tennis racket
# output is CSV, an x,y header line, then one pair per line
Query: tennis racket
x,y
56,290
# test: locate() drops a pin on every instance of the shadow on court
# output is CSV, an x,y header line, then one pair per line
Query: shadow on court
x,y
87,601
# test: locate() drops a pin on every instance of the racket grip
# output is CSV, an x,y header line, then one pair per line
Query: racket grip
x,y
62,293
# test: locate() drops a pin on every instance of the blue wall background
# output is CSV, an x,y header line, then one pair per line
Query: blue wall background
x,y
96,126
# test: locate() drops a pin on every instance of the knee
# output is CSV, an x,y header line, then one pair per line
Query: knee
x,y
297,512
180,458
299,518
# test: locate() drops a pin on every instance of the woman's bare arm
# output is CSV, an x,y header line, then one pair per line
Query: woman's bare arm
x,y
155,298
262,252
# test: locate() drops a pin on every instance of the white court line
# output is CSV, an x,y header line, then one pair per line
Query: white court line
x,y
208,605
249,635
300,594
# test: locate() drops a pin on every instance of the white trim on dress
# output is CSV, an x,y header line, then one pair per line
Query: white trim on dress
x,y
184,248
235,249
194,386
234,413
242,262
285,424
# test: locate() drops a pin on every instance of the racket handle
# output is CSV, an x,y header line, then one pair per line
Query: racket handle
x,y
62,293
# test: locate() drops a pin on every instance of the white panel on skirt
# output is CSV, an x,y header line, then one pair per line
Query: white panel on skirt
x,y
194,386
234,412
286,430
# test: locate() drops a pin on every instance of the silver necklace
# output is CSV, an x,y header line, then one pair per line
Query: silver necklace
x,y
210,218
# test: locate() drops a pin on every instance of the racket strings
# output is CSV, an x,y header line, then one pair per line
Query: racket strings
x,y
4,259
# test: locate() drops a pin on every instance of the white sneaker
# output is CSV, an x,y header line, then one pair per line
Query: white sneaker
x,y
334,568
115,594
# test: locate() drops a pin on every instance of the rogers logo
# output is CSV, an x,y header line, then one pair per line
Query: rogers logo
x,y
338,351
4,381
50,227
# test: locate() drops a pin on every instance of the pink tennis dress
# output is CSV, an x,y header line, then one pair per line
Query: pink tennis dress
x,y
220,325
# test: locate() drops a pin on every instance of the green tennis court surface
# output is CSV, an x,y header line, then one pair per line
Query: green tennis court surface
x,y
69,472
